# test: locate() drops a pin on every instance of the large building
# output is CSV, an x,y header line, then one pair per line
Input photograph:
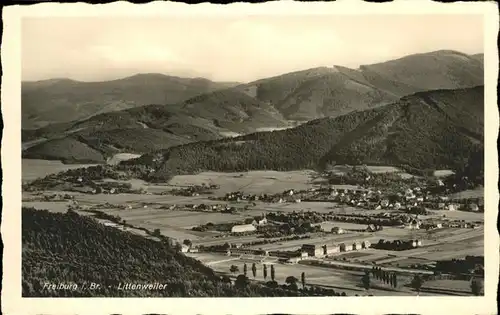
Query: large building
x,y
313,250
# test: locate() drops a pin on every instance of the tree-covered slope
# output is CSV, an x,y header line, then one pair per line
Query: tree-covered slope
x,y
64,100
68,248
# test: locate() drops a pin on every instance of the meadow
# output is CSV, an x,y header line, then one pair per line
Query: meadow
x,y
33,168
254,182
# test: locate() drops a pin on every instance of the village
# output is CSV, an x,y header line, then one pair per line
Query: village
x,y
407,230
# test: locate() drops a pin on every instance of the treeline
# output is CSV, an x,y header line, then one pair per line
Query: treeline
x,y
69,248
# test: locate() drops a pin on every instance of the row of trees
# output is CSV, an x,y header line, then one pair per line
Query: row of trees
x,y
291,282
388,278
385,276
234,269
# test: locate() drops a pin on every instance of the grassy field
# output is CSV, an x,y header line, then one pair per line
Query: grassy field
x,y
53,206
456,215
314,275
347,281
33,169
117,158
256,182
321,207
327,226
472,193
458,285
377,169
443,173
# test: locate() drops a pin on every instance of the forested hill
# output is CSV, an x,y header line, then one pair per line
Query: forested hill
x,y
68,248
436,129
64,100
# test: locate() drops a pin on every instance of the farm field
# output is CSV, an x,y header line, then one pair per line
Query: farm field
x,y
340,280
33,168
139,199
456,285
321,207
456,215
53,206
254,182
327,226
181,219
473,193
443,173
378,169
117,158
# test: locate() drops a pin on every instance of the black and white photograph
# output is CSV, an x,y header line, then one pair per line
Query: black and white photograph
x,y
254,155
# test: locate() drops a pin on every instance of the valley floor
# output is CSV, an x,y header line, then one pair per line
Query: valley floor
x,y
150,212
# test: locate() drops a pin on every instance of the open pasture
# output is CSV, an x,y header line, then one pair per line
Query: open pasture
x,y
136,199
180,219
392,233
455,215
455,285
464,235
452,252
188,219
472,193
254,182
327,226
222,263
443,173
119,157
52,206
228,239
174,232
377,169
321,207
406,262
354,254
369,255
33,168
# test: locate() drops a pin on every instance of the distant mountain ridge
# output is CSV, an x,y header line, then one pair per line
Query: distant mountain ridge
x,y
278,102
64,100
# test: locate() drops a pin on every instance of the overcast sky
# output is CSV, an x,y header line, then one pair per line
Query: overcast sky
x,y
232,49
